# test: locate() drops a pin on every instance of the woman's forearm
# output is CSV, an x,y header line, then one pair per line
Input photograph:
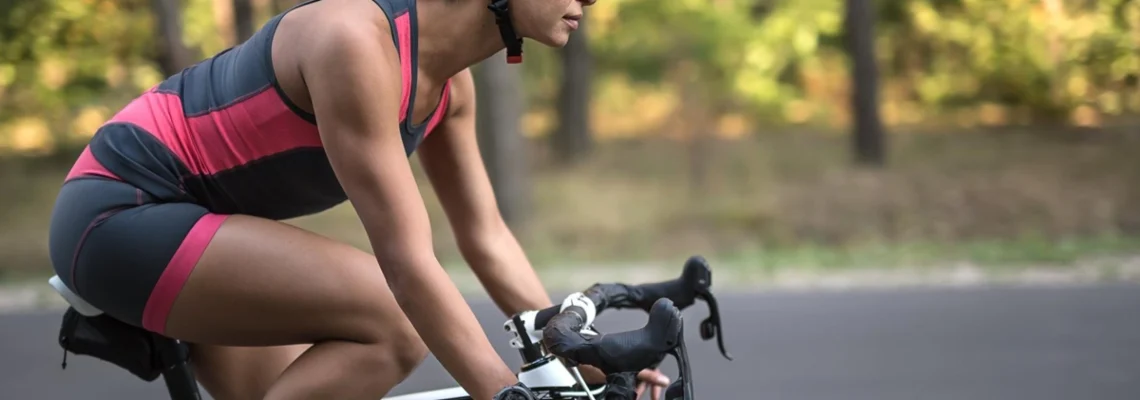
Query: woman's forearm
x,y
504,271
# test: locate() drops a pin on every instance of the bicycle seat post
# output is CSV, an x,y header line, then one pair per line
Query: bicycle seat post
x,y
178,375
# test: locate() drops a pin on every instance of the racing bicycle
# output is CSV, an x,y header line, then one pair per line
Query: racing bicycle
x,y
552,342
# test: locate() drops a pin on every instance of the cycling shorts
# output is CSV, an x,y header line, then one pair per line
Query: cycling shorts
x,y
121,248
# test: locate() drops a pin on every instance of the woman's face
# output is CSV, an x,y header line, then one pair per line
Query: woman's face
x,y
549,22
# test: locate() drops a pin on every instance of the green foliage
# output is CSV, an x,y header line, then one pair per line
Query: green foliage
x,y
59,58
646,38
1011,52
946,52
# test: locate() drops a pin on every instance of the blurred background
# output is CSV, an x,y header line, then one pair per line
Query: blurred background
x,y
771,135
793,143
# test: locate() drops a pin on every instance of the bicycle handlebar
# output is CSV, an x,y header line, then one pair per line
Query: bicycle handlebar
x,y
695,283
620,354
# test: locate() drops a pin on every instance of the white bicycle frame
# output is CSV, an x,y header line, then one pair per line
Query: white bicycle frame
x,y
546,375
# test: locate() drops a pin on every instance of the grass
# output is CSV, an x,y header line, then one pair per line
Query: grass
x,y
791,200
1004,254
994,197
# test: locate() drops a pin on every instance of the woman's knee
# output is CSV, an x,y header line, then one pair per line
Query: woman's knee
x,y
398,359
241,372
399,348
410,352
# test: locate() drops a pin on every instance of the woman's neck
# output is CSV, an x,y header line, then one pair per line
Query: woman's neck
x,y
455,34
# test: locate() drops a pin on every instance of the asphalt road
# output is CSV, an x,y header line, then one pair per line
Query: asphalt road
x,y
954,344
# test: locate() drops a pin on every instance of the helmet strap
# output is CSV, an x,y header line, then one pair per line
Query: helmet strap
x,y
507,30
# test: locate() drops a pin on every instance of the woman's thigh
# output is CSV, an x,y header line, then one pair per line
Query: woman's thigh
x,y
242,289
266,283
227,280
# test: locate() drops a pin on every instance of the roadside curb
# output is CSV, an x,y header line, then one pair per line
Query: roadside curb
x,y
25,296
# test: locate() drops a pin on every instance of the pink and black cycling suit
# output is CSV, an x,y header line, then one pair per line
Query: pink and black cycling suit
x,y
219,138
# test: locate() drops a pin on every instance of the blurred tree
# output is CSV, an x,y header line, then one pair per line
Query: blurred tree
x,y
694,125
572,138
173,55
65,63
782,58
243,19
693,47
223,12
868,128
280,6
499,111
62,63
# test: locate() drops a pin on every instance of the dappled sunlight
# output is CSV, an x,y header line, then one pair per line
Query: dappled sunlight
x,y
88,121
53,73
1086,116
624,110
145,77
28,135
733,126
7,74
200,30
538,122
116,74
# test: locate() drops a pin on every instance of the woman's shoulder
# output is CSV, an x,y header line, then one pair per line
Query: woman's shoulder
x,y
338,34
337,25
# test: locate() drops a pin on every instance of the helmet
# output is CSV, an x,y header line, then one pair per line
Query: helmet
x,y
507,30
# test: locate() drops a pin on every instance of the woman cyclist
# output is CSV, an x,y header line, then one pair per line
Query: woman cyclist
x,y
169,218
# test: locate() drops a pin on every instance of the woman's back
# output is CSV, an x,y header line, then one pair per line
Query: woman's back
x,y
222,133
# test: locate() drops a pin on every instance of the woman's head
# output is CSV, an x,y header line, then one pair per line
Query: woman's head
x,y
549,22
466,38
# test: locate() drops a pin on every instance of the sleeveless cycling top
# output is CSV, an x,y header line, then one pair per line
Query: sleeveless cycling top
x,y
222,133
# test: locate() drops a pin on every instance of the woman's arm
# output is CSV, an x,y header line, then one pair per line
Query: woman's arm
x,y
353,77
450,157
455,168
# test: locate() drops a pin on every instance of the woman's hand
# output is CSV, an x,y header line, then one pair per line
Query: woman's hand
x,y
654,380
647,379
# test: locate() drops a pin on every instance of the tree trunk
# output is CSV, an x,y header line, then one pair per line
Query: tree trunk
x,y
1056,12
499,112
173,55
572,140
868,134
224,21
243,19
695,103
279,6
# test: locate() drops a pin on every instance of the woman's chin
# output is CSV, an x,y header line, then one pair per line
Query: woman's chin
x,y
557,36
557,39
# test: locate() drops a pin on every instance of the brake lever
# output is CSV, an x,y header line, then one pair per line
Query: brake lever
x,y
702,287
683,387
711,326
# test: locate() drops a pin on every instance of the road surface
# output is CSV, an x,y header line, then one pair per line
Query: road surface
x,y
918,344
